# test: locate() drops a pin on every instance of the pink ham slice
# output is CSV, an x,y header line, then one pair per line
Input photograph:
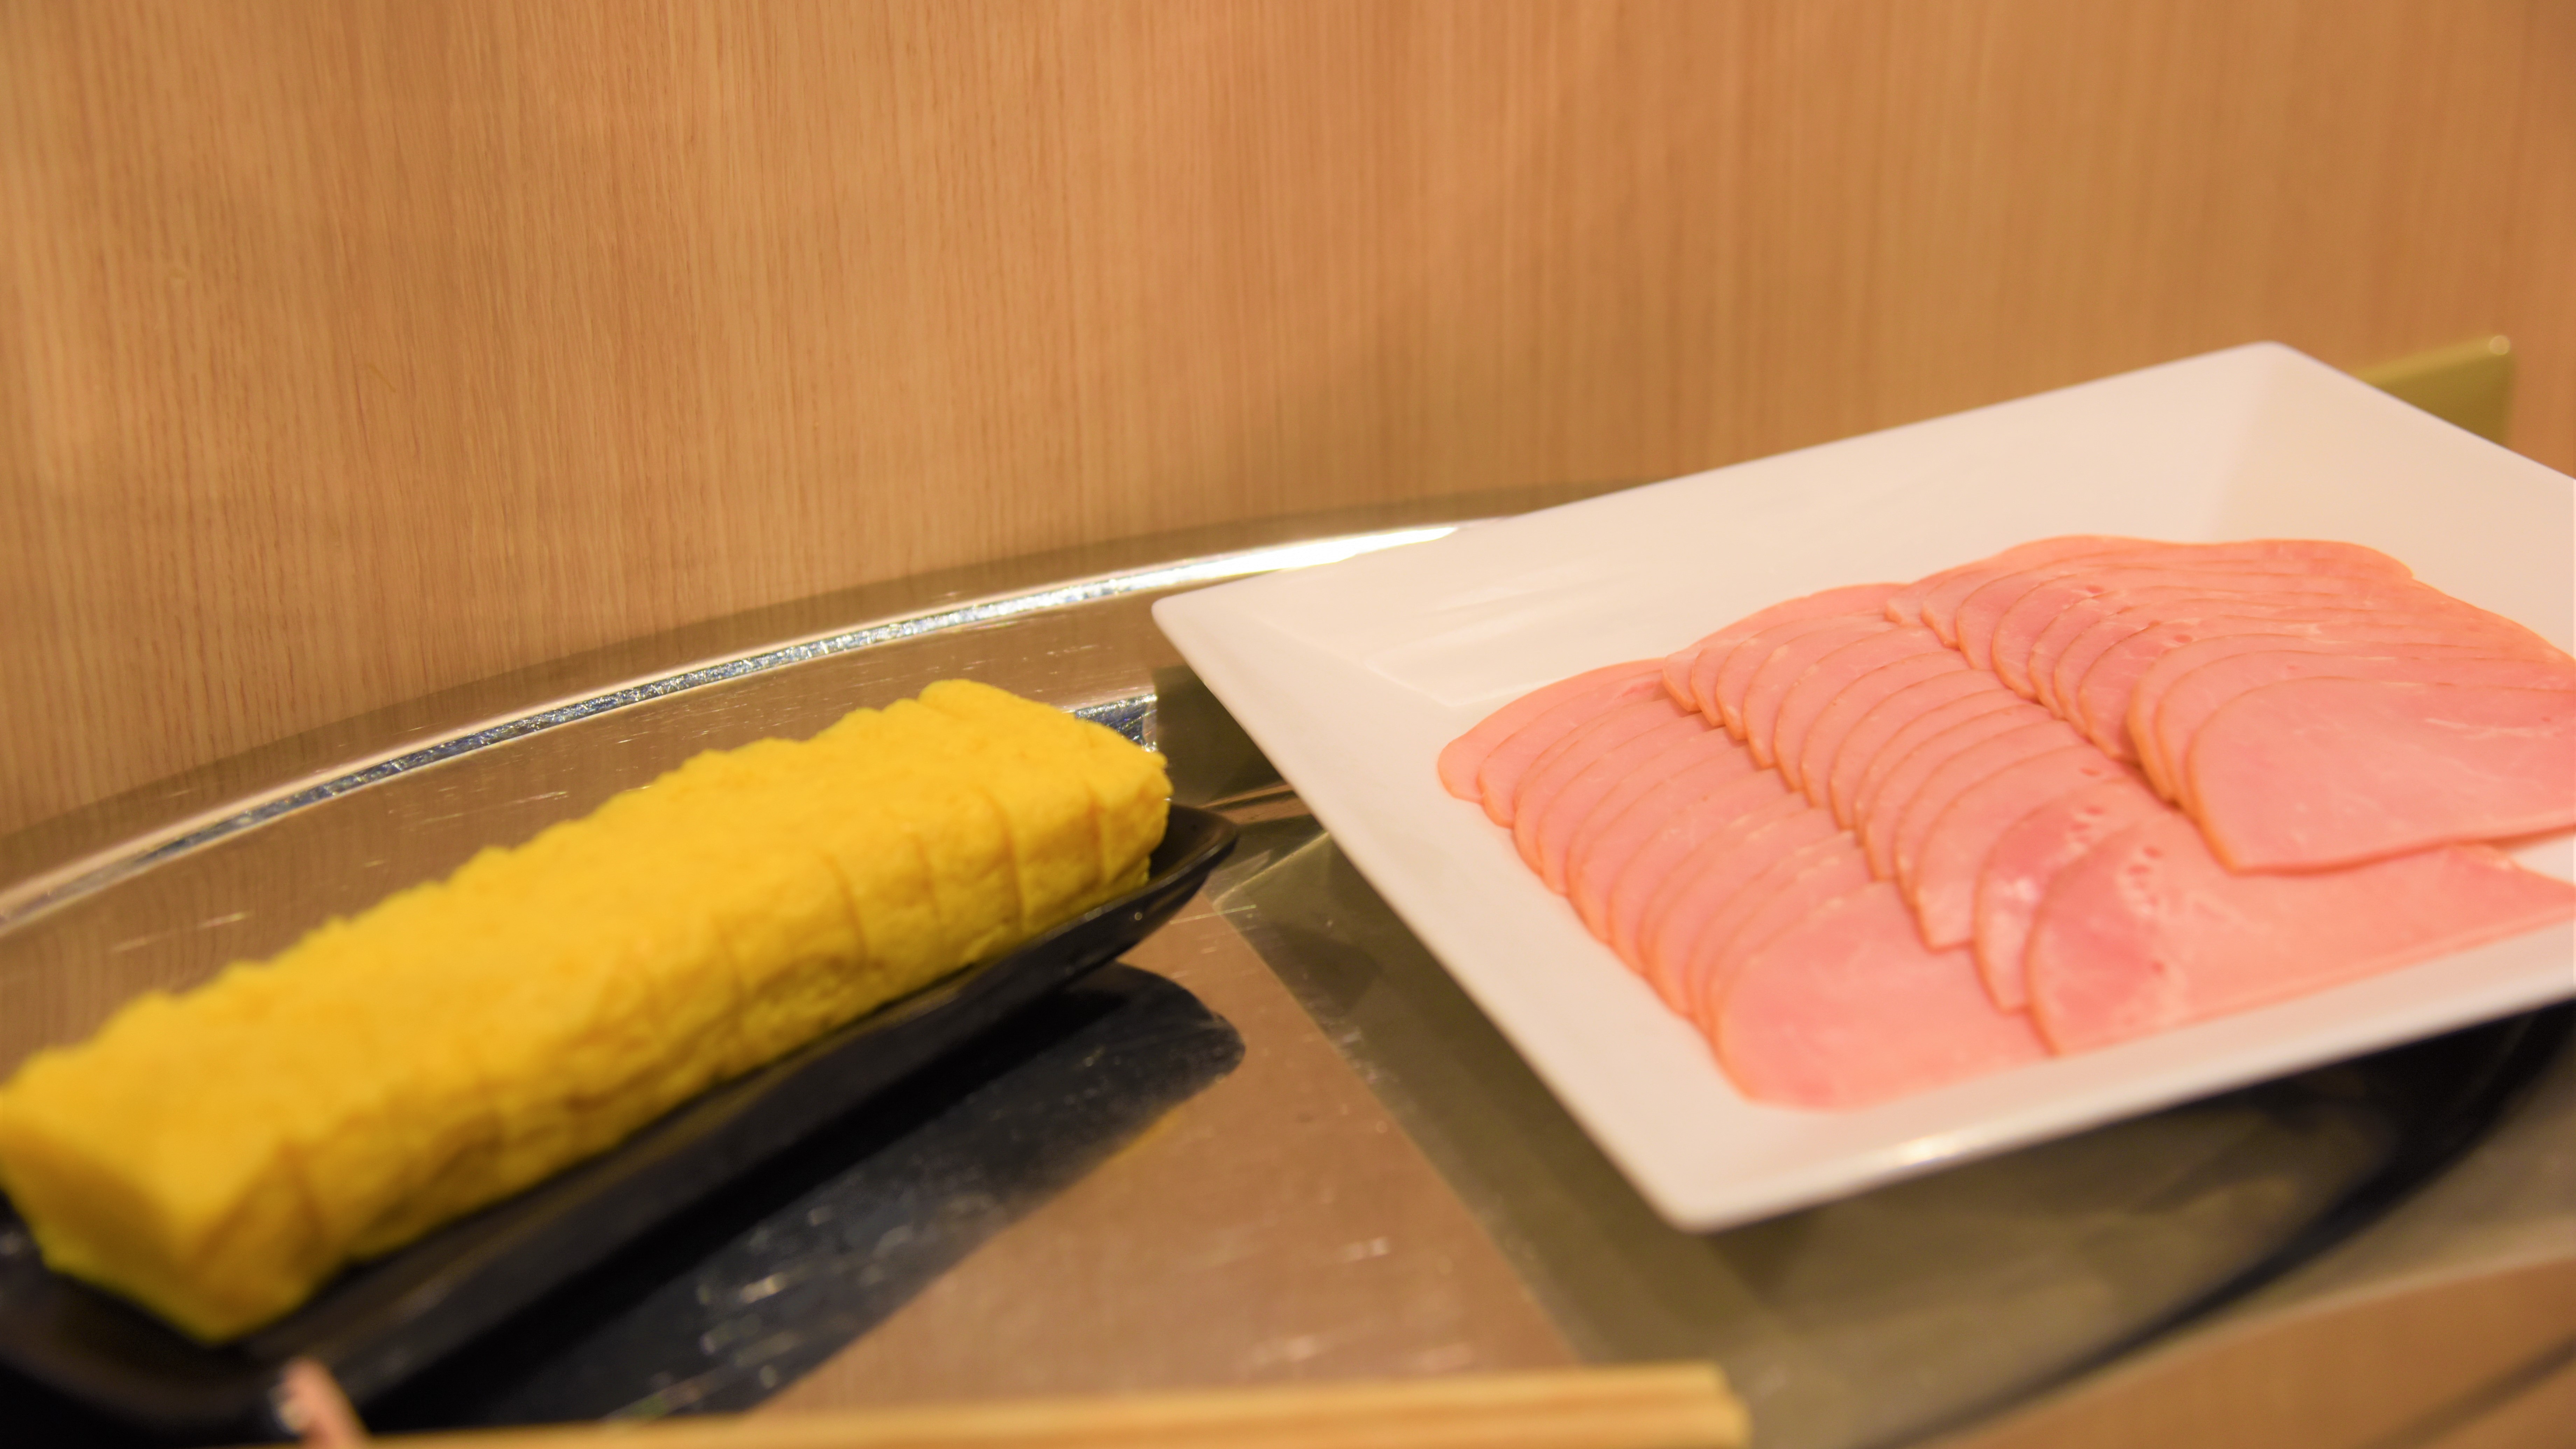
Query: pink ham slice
x,y
2069,601
2143,727
2027,859
2024,643
1901,721
1961,773
2077,638
2061,672
1974,622
2028,659
2317,772
2150,932
1849,599
1693,894
1846,1008
2135,667
1829,677
1556,799
1462,757
1706,906
1768,686
1942,882
1879,804
1652,838
1719,679
2069,668
1498,779
1981,612
1716,824
1846,710
1664,783
1977,615
1560,762
1784,896
2258,673
2190,700
1933,600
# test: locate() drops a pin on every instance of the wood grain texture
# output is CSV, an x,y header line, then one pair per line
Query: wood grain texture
x,y
1675,1406
349,352
2482,1361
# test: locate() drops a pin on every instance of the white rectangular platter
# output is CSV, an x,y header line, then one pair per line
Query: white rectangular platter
x,y
1351,676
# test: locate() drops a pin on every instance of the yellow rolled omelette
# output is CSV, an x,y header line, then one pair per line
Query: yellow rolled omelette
x,y
216,1155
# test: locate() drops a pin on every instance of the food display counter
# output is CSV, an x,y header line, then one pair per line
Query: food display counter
x,y
1277,1143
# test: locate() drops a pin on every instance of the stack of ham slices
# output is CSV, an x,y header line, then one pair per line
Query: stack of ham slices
x,y
1886,837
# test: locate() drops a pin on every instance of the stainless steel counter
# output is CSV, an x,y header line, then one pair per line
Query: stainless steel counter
x,y
1377,1187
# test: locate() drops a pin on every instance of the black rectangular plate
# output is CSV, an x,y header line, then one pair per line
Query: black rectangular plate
x,y
382,1322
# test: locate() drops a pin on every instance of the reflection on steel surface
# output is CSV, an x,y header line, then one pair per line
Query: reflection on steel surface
x,y
830,1241
45,892
1840,1324
1132,716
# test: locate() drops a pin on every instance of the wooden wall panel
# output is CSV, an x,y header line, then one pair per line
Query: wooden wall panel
x,y
351,351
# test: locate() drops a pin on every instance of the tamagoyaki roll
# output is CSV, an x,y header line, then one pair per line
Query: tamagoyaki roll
x,y
217,1154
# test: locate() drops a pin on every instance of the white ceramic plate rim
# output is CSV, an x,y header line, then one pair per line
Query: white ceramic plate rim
x,y
1352,675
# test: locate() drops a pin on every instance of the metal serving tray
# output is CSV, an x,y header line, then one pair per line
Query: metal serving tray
x,y
1378,1188
381,1323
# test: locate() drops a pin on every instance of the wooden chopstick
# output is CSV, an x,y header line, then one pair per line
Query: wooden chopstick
x,y
1655,1406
